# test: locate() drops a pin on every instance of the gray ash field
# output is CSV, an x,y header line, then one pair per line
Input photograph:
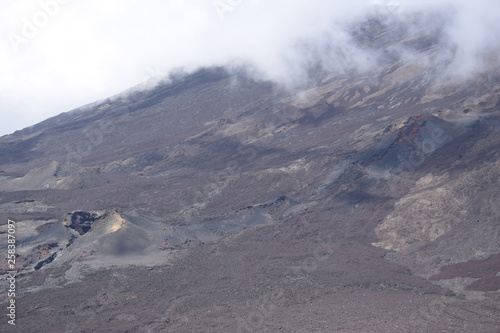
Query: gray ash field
x,y
363,202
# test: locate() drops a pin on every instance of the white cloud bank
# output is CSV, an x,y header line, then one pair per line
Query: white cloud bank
x,y
56,55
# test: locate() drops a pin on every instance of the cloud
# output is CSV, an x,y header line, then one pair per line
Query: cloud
x,y
60,54
473,33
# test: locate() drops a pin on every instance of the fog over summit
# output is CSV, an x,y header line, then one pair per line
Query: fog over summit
x,y
58,55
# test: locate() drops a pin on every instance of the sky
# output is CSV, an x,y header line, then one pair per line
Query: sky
x,y
57,55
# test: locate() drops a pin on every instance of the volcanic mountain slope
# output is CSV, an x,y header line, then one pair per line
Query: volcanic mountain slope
x,y
362,203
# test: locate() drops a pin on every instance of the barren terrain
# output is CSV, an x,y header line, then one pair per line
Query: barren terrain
x,y
217,203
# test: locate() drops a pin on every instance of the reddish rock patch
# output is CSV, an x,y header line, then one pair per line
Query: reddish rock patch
x,y
487,284
485,270
473,269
